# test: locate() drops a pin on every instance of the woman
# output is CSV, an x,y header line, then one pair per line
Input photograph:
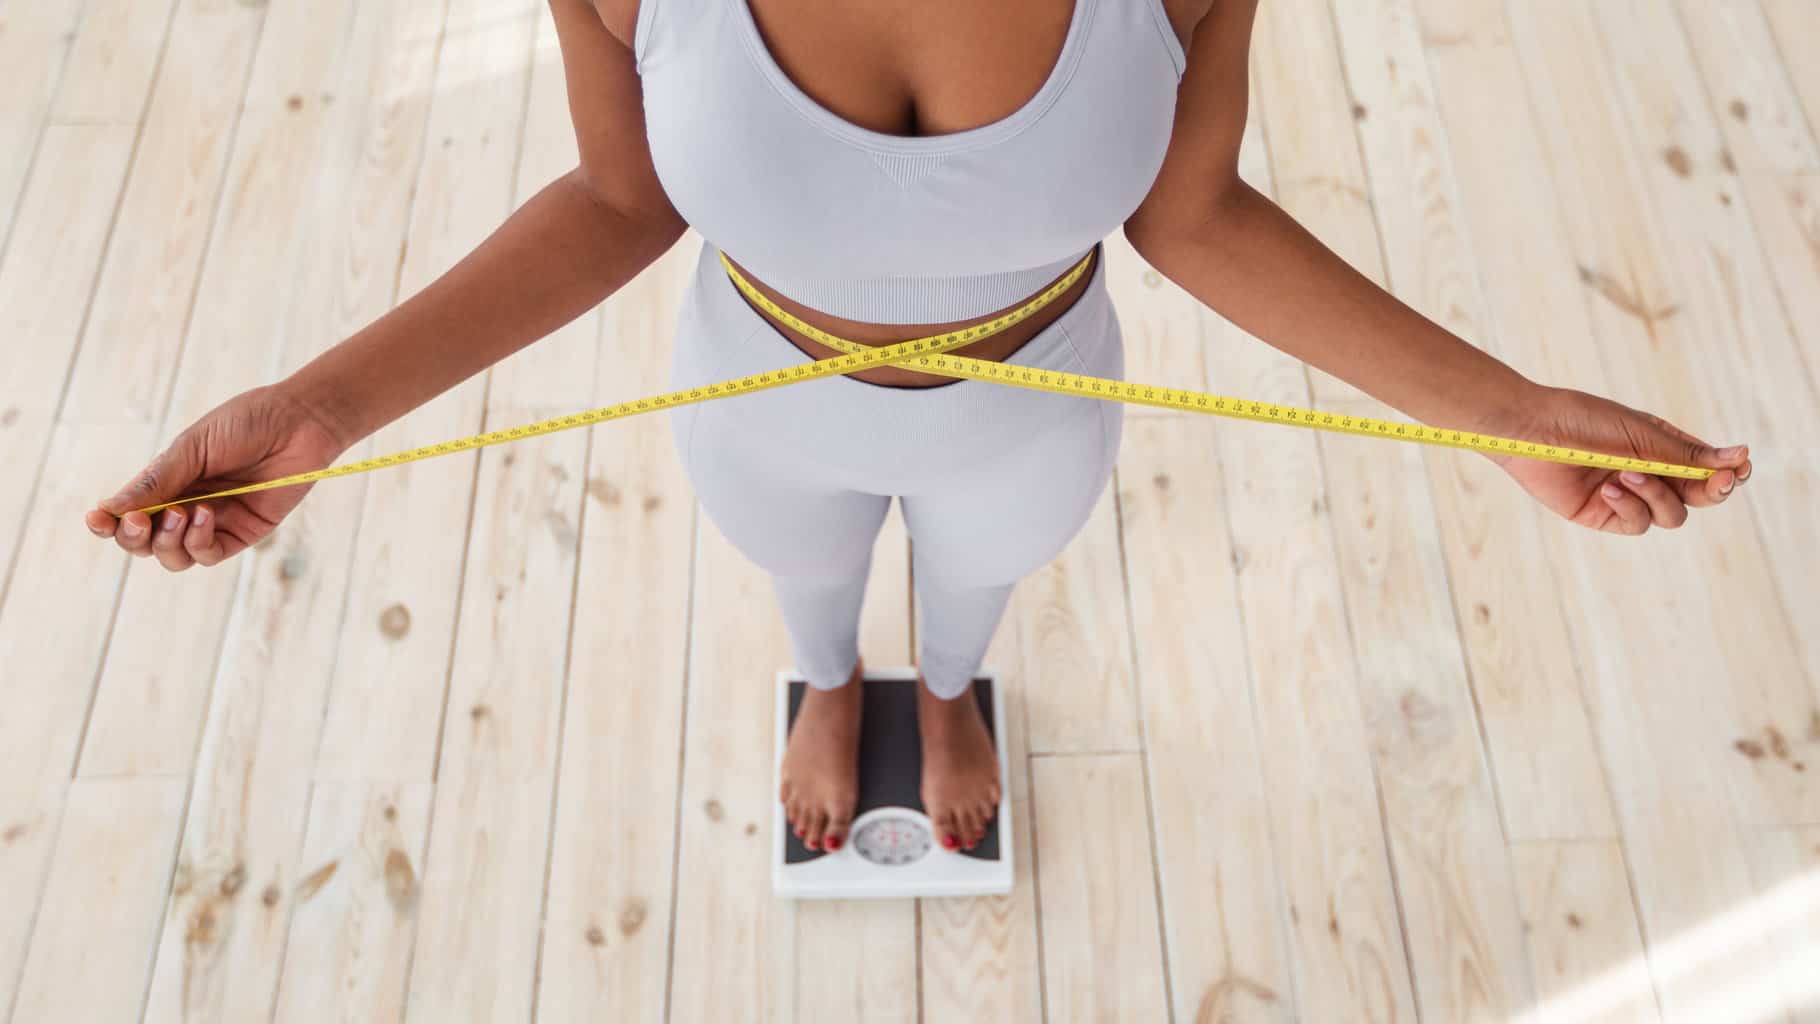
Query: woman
x,y
881,179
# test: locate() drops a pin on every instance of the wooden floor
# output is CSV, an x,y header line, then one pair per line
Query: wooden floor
x,y
1306,727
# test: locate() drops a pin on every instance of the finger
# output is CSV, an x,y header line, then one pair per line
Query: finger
x,y
100,523
167,540
1630,515
1708,492
135,534
201,540
1665,506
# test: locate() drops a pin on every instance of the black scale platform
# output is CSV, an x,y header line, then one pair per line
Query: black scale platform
x,y
891,757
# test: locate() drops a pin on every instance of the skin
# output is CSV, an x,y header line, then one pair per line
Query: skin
x,y
597,227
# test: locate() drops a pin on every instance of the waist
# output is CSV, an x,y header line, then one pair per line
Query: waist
x,y
995,347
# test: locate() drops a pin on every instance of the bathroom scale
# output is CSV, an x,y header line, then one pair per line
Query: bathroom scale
x,y
892,850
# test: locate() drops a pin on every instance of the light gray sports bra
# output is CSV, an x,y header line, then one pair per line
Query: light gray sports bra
x,y
895,229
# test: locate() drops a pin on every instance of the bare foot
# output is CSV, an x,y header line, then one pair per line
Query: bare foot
x,y
821,764
960,770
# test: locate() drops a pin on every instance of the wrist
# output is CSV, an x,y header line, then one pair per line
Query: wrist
x,y
332,409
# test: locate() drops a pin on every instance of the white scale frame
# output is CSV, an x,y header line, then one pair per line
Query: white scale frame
x,y
847,874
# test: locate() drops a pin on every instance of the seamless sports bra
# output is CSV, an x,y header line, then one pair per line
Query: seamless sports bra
x,y
895,229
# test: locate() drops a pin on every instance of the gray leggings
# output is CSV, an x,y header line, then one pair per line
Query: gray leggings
x,y
994,480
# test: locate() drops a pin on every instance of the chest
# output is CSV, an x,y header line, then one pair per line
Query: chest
x,y
957,65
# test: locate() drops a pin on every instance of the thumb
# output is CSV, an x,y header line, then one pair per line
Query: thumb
x,y
163,479
1670,443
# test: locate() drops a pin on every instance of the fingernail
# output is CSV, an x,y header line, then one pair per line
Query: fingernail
x,y
834,842
1613,491
1633,479
129,528
1744,474
1725,486
950,842
202,515
1731,453
172,520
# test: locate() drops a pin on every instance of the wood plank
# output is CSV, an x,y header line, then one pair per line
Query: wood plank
x,y
52,650
734,944
35,41
1317,172
483,886
981,957
1786,863
1346,948
607,920
356,903
483,880
1453,881
112,61
1748,87
1102,954
1346,952
1727,360
153,694
1786,209
56,248
1524,682
1582,930
1674,814
1794,25
23,436
144,297
391,679
1750,367
251,786
1220,895
91,949
1077,641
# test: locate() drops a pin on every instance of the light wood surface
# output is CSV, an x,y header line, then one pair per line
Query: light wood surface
x,y
1303,728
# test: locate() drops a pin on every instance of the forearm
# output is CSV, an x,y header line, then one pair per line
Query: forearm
x,y
1257,267
556,257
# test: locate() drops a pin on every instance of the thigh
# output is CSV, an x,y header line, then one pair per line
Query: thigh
x,y
779,511
1006,518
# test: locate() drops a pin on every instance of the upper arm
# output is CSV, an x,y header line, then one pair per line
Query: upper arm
x,y
1201,166
606,104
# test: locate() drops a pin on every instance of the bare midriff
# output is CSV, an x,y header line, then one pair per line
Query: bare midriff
x,y
996,347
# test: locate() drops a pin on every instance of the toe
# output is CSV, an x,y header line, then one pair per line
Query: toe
x,y
950,829
813,824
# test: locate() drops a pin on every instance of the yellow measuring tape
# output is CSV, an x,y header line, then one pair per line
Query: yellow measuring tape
x,y
926,354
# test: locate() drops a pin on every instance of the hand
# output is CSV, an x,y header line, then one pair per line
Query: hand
x,y
1603,499
261,434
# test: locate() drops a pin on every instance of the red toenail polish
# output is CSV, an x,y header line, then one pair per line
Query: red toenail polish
x,y
834,842
949,842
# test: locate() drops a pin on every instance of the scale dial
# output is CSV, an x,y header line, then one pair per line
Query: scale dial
x,y
892,840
